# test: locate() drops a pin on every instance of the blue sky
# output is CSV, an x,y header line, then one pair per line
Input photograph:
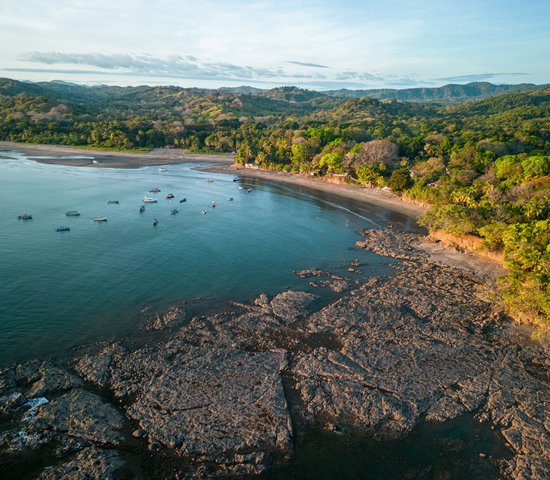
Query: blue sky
x,y
314,44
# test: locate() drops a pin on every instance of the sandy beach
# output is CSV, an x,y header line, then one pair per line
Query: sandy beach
x,y
374,196
62,155
77,157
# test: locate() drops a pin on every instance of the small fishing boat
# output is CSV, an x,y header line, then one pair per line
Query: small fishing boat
x,y
236,179
183,200
203,211
241,188
230,199
72,213
142,209
24,216
62,228
113,202
248,190
163,169
210,180
155,222
100,219
174,211
213,204
149,200
154,190
169,196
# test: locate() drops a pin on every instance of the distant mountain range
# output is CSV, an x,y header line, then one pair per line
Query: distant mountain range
x,y
451,93
446,94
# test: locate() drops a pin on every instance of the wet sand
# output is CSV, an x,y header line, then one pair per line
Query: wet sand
x,y
77,157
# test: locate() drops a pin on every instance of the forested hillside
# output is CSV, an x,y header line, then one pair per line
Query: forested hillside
x,y
483,167
447,94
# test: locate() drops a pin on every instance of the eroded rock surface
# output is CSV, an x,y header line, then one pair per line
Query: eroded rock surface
x,y
171,318
89,464
64,419
391,243
225,406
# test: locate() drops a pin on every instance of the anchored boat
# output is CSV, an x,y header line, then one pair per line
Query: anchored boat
x,y
113,202
72,213
62,228
149,200
100,219
24,216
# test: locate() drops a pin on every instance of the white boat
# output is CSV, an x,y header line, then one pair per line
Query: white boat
x,y
163,170
100,219
149,200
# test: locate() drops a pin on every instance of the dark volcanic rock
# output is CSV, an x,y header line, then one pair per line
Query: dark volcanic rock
x,y
89,464
173,317
391,243
290,305
419,345
83,415
96,368
221,406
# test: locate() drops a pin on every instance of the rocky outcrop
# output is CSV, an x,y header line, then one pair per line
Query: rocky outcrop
x,y
391,243
89,464
336,283
64,420
419,346
291,305
96,367
221,406
82,415
171,318
215,396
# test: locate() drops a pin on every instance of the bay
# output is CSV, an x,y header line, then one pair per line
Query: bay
x,y
63,289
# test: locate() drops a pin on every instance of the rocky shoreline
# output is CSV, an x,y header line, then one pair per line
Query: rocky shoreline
x,y
228,395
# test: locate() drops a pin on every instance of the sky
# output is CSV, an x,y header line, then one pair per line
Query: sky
x,y
314,44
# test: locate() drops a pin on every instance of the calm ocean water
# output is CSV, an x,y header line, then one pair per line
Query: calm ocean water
x,y
62,289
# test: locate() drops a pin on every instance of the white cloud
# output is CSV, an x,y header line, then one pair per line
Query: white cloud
x,y
191,67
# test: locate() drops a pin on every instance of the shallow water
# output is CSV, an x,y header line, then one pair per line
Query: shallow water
x,y
454,450
62,289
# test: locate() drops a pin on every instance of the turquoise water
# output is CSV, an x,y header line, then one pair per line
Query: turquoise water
x,y
62,289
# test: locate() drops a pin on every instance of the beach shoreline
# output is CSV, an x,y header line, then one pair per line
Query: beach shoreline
x,y
373,196
53,154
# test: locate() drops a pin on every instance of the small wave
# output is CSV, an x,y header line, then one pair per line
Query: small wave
x,y
62,157
34,403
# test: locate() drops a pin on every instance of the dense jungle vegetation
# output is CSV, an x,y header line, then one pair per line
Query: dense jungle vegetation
x,y
482,166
